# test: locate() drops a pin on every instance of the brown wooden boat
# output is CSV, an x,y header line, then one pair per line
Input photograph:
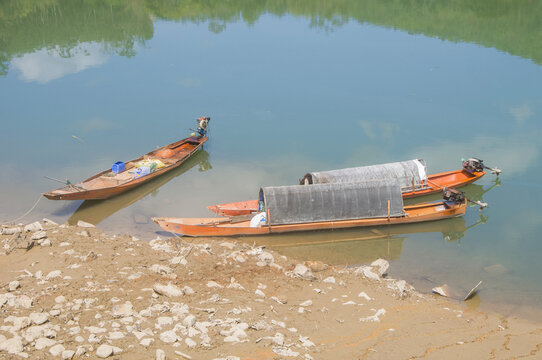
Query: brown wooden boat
x,y
108,183
321,207
433,184
239,225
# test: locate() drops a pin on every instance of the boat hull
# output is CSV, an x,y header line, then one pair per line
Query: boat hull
x,y
80,191
228,226
435,184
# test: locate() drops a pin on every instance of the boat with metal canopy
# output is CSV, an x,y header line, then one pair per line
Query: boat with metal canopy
x,y
322,207
411,175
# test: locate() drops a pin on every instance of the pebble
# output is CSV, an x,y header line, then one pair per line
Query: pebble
x,y
13,345
43,343
190,343
45,243
169,336
168,290
35,226
56,350
160,354
122,310
306,303
116,335
38,235
187,290
160,269
14,285
189,321
11,231
84,224
53,274
259,293
213,284
367,272
303,272
381,266
38,318
60,299
67,354
104,351
330,280
146,342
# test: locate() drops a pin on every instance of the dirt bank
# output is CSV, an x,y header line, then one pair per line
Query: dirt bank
x,y
75,292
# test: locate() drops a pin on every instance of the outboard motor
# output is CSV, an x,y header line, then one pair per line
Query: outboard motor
x,y
453,195
203,122
473,165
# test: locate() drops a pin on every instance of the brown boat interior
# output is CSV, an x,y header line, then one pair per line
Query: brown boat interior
x,y
168,155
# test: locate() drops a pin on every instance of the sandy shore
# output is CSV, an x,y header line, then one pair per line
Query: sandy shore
x,y
75,292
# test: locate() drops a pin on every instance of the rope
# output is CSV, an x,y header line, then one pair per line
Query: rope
x,y
26,213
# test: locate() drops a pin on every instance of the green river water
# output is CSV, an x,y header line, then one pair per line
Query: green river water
x,y
291,86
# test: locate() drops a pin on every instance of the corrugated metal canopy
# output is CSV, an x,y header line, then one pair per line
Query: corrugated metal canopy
x,y
330,202
406,172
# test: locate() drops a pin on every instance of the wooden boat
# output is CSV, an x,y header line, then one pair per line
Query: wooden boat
x,y
108,183
355,205
433,184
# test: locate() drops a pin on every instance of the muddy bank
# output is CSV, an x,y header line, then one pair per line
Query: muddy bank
x,y
75,292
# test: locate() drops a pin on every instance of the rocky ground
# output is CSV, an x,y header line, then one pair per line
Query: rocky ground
x,y
74,292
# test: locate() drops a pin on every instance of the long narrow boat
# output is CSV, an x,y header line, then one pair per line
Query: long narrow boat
x,y
411,175
133,173
320,207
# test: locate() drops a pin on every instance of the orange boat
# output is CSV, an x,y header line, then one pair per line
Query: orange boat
x,y
321,207
125,176
413,181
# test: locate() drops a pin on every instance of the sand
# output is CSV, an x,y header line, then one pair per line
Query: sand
x,y
76,292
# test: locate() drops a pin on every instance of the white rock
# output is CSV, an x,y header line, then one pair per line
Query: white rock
x,y
266,257
79,339
364,295
381,266
168,290
84,224
178,260
283,351
146,342
104,351
38,235
367,272
160,354
330,279
60,299
375,317
160,269
38,318
213,284
305,341
13,345
45,243
189,321
95,329
164,320
80,351
56,350
43,343
190,343
169,336
11,231
116,335
35,226
306,303
14,285
122,310
23,301
187,290
116,350
67,354
53,274
303,272
259,293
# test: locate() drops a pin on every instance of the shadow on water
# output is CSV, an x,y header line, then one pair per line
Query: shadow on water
x,y
95,211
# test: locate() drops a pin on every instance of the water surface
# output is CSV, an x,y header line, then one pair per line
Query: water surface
x,y
291,87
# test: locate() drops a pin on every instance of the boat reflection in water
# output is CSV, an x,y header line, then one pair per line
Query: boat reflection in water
x,y
358,246
355,246
95,211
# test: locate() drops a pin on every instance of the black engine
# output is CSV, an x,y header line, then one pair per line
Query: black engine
x,y
453,195
473,165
